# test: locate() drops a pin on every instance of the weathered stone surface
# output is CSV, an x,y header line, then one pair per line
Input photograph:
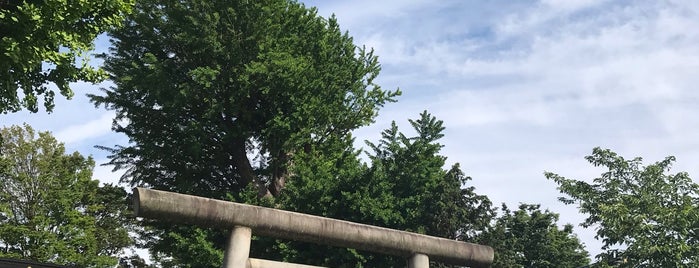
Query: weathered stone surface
x,y
419,261
238,248
263,221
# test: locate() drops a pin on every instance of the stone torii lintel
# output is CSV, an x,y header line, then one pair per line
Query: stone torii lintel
x,y
206,212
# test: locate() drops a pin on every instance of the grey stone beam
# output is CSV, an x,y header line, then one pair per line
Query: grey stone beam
x,y
270,222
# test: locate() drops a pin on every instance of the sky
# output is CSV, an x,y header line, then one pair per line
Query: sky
x,y
523,87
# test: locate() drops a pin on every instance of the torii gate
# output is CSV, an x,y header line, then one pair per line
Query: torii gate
x,y
243,219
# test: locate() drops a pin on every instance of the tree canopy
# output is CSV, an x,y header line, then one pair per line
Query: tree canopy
x,y
404,186
40,42
645,216
216,95
51,210
220,97
530,237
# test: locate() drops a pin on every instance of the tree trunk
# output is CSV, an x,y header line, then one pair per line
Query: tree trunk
x,y
242,163
280,172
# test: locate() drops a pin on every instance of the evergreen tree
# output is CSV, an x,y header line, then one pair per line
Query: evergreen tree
x,y
220,97
405,187
529,237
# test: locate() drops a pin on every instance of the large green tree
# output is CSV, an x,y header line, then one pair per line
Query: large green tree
x,y
644,215
51,210
530,237
40,42
221,96
216,95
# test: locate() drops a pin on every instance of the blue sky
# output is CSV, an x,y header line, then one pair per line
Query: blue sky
x,y
523,87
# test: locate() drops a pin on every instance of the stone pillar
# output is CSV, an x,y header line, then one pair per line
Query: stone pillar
x,y
419,261
237,248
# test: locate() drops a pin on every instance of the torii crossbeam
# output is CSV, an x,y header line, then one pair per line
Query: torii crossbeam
x,y
244,219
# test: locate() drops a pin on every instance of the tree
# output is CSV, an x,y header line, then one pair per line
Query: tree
x,y
318,187
529,237
644,216
427,198
50,208
40,42
210,82
218,96
405,187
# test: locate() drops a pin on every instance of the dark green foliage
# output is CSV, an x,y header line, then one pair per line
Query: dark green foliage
x,y
408,171
205,83
50,208
412,190
133,261
404,188
220,97
40,41
198,247
321,177
530,237
644,216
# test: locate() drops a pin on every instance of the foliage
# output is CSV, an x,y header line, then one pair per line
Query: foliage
x,y
134,261
319,175
529,237
50,208
202,84
405,188
427,198
652,217
217,97
40,41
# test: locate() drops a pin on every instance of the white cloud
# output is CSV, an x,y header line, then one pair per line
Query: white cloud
x,y
91,129
570,5
544,85
353,14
